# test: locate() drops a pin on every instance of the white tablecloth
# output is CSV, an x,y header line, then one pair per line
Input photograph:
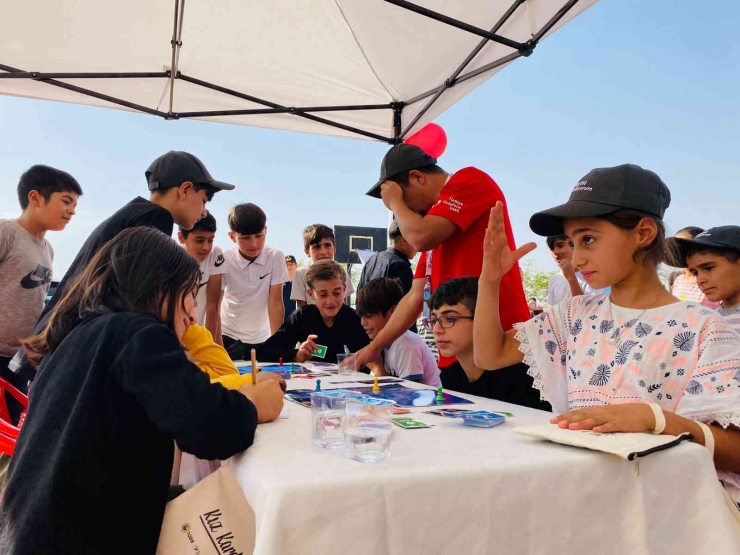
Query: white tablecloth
x,y
461,490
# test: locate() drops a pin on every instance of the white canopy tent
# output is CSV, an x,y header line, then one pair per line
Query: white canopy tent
x,y
376,69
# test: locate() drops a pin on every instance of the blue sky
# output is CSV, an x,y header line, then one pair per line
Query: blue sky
x,y
653,83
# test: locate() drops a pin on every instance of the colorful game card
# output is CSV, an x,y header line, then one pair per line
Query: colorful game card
x,y
410,423
447,412
320,351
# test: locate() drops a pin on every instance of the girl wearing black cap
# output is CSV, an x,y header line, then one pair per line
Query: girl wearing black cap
x,y
635,360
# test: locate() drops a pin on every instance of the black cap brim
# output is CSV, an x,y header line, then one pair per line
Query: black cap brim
x,y
684,247
222,186
549,223
375,191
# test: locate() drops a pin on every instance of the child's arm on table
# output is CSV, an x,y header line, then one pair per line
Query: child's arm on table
x,y
638,417
493,347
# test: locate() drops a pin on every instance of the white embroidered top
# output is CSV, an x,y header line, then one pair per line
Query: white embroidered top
x,y
684,357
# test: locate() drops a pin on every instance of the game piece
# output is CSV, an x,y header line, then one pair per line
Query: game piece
x,y
376,386
254,366
318,386
280,362
410,423
292,368
440,395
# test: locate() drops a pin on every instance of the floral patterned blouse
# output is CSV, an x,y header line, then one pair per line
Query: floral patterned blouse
x,y
684,357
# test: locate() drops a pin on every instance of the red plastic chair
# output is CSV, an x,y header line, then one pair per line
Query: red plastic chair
x,y
9,432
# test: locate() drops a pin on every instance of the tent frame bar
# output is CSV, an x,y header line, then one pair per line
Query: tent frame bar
x,y
488,35
520,50
453,79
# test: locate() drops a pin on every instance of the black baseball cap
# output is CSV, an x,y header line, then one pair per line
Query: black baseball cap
x,y
175,168
290,258
400,158
603,191
726,237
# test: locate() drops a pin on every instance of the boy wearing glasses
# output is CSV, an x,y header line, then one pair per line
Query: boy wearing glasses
x,y
408,357
453,310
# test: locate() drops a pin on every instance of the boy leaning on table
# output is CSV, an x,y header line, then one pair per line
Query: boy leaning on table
x,y
453,311
329,322
408,357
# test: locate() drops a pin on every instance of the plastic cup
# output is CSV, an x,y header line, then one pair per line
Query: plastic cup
x,y
327,417
346,364
367,429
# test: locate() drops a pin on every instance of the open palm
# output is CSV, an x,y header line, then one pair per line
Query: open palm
x,y
498,258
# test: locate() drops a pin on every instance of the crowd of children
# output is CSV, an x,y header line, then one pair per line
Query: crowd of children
x,y
135,350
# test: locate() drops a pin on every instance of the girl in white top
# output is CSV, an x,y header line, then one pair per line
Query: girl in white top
x,y
636,360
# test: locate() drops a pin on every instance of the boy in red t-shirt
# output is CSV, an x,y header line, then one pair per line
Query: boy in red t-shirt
x,y
445,217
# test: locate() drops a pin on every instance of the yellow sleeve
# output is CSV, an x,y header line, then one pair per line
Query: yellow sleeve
x,y
234,381
210,357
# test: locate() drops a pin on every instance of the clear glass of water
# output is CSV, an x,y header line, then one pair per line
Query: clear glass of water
x,y
327,418
367,429
346,364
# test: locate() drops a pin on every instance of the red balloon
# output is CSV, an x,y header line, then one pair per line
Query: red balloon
x,y
431,138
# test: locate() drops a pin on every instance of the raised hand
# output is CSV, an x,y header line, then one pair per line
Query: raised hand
x,y
498,258
566,266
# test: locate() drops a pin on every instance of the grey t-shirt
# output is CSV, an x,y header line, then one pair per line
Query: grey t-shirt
x,y
25,275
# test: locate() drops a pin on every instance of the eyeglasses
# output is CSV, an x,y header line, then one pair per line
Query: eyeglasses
x,y
445,322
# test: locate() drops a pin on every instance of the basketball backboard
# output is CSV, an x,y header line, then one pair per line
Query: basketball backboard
x,y
353,238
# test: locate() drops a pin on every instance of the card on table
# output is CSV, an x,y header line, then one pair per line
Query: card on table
x,y
410,423
450,412
482,419
320,351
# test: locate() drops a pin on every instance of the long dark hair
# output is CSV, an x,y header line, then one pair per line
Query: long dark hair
x,y
140,270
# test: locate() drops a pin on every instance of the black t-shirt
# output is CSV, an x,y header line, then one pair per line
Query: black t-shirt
x,y
388,263
92,465
289,305
139,212
307,320
510,385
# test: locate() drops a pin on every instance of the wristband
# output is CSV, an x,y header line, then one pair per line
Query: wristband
x,y
708,437
659,418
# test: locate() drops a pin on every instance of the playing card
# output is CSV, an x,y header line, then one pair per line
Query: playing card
x,y
410,423
400,410
320,351
450,412
483,419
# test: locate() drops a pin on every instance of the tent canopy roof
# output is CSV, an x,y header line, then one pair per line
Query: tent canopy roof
x,y
377,69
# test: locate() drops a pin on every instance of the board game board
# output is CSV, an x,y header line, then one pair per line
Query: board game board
x,y
297,369
399,393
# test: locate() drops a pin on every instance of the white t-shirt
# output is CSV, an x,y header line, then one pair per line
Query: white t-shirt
x,y
410,358
213,265
244,314
300,286
558,288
